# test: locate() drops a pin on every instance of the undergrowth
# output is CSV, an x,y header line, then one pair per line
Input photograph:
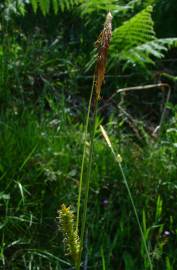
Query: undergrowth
x,y
45,66
40,166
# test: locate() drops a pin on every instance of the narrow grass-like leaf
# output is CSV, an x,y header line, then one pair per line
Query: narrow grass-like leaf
x,y
118,160
103,259
28,158
21,191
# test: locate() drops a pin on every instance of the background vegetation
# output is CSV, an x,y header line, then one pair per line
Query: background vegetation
x,y
47,61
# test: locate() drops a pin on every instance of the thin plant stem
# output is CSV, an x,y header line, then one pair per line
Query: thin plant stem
x,y
103,259
136,214
87,183
83,156
117,159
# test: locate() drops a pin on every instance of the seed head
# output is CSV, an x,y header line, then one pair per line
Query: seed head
x,y
102,45
71,238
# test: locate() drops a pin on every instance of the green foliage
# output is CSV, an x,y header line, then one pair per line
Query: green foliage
x,y
135,31
34,4
165,18
16,6
135,41
97,5
129,261
39,170
116,7
34,179
44,5
41,146
145,53
168,264
22,79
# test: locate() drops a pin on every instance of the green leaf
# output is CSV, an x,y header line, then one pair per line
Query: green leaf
x,y
135,42
95,5
129,262
168,265
34,4
135,31
55,6
44,6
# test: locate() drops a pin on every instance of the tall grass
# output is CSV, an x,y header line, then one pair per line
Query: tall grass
x,y
34,169
103,44
118,160
39,170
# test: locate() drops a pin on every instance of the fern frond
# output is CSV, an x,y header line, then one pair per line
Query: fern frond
x,y
89,6
68,4
34,4
148,3
135,41
133,32
145,53
55,6
97,5
45,5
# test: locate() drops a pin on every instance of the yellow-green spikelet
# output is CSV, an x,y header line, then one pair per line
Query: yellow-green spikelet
x,y
67,226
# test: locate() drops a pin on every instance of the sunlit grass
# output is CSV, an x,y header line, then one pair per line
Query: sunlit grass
x,y
39,170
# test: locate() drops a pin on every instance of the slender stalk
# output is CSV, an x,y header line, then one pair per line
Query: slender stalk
x,y
103,259
83,156
87,183
136,214
118,160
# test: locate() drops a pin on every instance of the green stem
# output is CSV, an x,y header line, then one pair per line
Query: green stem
x,y
133,206
83,156
87,183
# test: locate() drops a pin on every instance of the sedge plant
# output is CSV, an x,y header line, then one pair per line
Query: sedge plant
x,y
102,45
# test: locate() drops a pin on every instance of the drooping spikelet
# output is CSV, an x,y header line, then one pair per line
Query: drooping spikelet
x,y
67,226
102,45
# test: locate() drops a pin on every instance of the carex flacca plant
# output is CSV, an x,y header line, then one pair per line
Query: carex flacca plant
x,y
70,228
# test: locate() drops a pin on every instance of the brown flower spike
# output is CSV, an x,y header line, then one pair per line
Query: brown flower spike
x,y
102,45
